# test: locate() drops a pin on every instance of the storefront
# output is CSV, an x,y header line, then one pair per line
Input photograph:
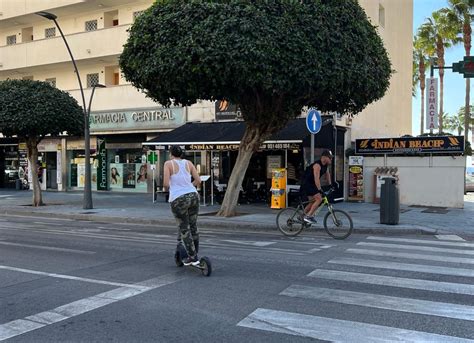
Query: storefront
x,y
213,148
9,162
118,158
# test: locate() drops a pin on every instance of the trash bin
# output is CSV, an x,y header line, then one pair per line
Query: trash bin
x,y
18,184
389,201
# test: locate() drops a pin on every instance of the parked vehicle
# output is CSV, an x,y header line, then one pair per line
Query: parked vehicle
x,y
469,183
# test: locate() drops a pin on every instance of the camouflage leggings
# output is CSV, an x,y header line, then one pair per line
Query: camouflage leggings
x,y
185,210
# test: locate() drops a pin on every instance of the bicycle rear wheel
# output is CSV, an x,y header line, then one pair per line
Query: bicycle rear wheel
x,y
290,221
338,224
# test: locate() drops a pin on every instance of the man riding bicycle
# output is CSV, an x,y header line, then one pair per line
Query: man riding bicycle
x,y
311,186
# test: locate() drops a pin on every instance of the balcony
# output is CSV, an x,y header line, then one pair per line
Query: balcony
x,y
114,98
84,46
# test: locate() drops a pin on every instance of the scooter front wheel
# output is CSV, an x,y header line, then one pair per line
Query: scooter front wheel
x,y
205,266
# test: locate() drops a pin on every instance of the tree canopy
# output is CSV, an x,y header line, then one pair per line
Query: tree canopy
x,y
272,58
292,54
30,109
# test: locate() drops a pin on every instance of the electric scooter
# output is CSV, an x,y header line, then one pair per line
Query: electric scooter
x,y
204,263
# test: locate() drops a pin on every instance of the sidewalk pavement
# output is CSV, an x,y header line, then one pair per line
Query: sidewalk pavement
x,y
139,209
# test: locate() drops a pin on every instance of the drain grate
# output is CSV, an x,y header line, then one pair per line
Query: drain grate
x,y
440,210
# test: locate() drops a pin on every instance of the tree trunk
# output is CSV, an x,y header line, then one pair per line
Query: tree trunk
x,y
32,146
440,53
253,137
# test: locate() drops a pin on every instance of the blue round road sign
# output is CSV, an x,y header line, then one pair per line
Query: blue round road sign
x,y
313,121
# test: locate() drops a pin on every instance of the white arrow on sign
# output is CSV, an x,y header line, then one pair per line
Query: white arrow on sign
x,y
253,243
314,119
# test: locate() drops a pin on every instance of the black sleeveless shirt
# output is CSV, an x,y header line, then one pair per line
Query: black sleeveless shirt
x,y
309,176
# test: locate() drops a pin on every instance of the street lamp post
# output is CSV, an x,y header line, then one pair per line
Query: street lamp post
x,y
87,202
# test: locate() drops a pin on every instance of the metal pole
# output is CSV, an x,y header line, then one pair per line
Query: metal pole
x,y
335,147
87,201
431,75
153,192
212,179
312,148
286,176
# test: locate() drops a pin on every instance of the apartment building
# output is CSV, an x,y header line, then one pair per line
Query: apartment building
x,y
122,117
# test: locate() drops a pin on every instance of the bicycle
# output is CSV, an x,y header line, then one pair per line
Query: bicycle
x,y
290,221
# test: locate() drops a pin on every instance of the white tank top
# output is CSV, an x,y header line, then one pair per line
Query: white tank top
x,y
180,182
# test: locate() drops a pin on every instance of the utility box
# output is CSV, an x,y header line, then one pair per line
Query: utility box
x,y
389,201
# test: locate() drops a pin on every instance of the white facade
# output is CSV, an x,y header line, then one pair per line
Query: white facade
x,y
96,30
424,181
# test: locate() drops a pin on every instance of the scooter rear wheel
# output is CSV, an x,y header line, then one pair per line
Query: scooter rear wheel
x,y
177,259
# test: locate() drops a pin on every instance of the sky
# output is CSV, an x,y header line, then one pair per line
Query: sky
x,y
454,83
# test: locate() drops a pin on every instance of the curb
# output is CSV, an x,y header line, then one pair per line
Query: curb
x,y
221,223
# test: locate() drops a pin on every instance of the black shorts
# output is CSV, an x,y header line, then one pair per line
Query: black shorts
x,y
311,191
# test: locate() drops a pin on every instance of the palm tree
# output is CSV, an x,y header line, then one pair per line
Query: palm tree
x,y
437,34
420,63
456,122
461,14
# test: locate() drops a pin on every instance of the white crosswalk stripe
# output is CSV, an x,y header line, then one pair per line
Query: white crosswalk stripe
x,y
432,259
336,330
382,301
439,258
421,241
417,248
422,268
450,237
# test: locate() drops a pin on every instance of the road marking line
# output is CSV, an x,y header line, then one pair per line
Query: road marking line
x,y
336,330
44,223
416,247
422,268
392,281
252,243
43,247
58,314
422,241
450,237
432,308
67,277
38,217
412,256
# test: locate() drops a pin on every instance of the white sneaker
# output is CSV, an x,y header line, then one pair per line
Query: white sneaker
x,y
310,220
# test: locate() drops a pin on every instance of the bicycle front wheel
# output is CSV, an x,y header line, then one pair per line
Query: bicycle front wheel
x,y
338,224
290,221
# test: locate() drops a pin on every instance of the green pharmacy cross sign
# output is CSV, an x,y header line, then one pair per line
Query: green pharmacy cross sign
x,y
465,67
152,158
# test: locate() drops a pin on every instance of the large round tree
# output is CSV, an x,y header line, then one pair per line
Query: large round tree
x,y
31,110
272,58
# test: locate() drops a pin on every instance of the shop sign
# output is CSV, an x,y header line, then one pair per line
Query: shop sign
x,y
427,145
102,181
228,147
227,111
431,118
143,119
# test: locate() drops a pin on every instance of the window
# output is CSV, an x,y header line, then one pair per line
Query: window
x,y
51,81
11,40
115,22
92,79
381,16
91,25
50,32
136,14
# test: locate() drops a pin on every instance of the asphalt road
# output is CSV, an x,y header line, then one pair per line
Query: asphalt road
x,y
73,281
